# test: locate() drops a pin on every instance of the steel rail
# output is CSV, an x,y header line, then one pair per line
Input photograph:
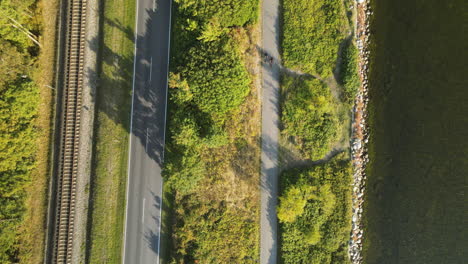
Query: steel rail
x,y
70,131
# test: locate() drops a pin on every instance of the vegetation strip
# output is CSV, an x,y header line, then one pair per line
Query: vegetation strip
x,y
212,150
110,153
26,98
319,84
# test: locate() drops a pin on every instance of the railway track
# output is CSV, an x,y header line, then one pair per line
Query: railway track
x,y
70,131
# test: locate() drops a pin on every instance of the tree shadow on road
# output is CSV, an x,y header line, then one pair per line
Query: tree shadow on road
x,y
114,80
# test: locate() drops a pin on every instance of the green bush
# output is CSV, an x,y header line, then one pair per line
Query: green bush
x,y
203,92
18,110
309,115
312,32
214,233
315,203
216,77
320,232
227,12
349,76
208,84
293,202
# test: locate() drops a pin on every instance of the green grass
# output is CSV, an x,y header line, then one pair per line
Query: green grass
x,y
166,224
416,200
111,133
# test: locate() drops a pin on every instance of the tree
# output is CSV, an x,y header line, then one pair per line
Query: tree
x,y
212,31
12,63
18,110
18,22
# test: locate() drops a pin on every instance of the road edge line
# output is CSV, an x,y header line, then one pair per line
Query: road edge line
x,y
130,134
165,128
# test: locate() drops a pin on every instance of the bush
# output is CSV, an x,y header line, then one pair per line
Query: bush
x,y
18,110
312,32
315,203
293,202
209,83
320,232
349,76
203,91
227,12
216,77
309,115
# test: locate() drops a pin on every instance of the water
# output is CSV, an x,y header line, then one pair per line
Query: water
x,y
415,208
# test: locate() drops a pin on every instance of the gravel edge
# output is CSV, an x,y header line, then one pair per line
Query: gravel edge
x,y
90,80
360,131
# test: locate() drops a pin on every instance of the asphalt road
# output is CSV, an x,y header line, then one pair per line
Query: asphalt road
x,y
270,134
148,121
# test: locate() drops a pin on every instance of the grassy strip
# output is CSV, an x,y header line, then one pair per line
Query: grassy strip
x,y
166,225
212,151
111,138
315,202
415,208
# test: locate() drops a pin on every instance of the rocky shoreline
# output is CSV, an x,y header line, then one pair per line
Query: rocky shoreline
x,y
360,131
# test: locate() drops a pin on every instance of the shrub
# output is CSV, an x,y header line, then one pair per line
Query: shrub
x,y
227,12
319,234
312,32
216,77
209,83
309,116
18,110
348,76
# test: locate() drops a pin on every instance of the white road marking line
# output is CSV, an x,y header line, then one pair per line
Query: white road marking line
x,y
130,134
160,220
146,147
164,132
151,67
143,208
